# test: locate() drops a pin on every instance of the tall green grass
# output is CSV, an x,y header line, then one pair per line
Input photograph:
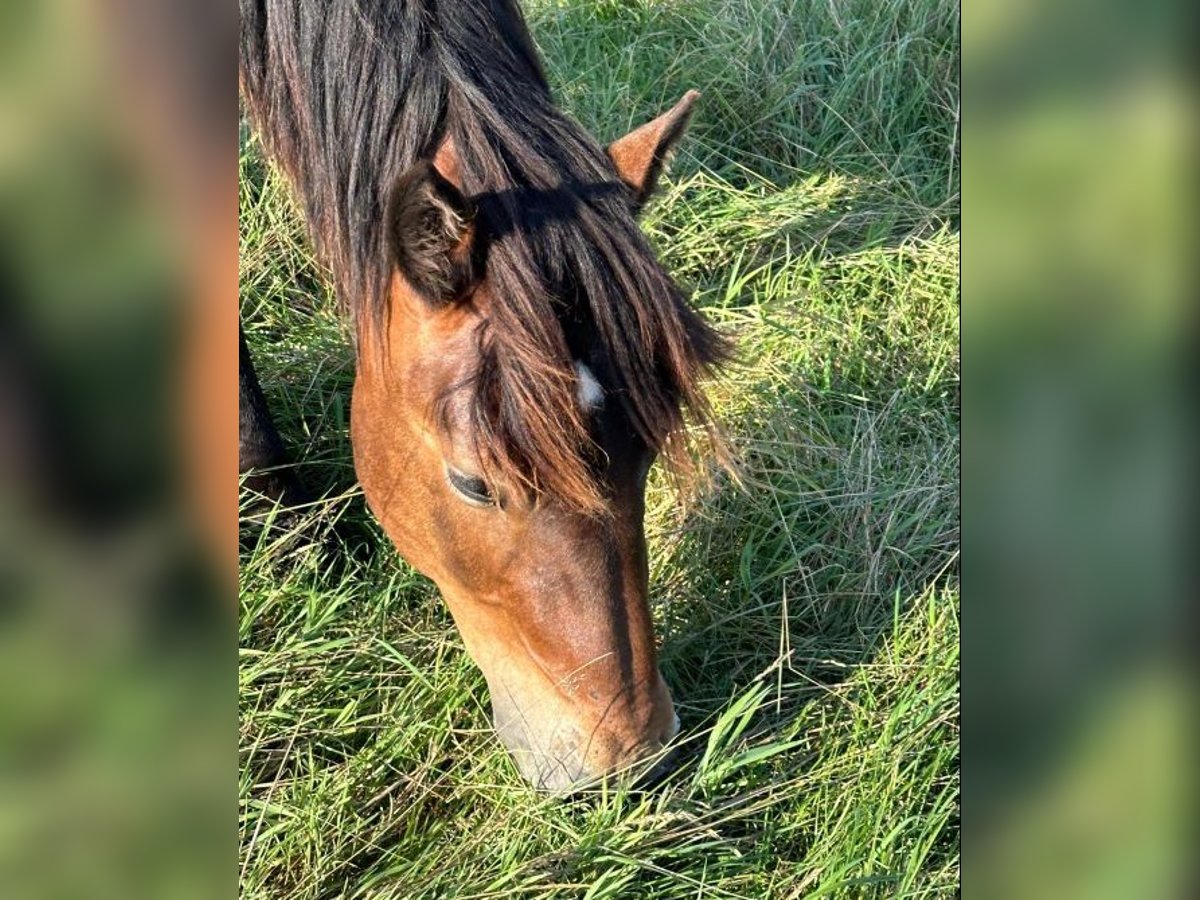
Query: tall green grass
x,y
808,616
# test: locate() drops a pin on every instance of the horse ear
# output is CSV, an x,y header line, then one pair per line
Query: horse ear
x,y
641,154
431,233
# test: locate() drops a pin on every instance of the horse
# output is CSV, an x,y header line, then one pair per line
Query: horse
x,y
522,356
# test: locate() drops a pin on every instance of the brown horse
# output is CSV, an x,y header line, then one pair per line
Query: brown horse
x,y
522,355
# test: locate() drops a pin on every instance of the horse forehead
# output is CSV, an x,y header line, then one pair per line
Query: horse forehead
x,y
455,395
589,391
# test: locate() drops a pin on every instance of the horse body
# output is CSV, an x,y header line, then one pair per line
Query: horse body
x,y
522,356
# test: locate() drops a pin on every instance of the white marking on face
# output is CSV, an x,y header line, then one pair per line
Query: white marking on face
x,y
591,394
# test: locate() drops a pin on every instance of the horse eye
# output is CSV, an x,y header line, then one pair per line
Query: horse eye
x,y
472,488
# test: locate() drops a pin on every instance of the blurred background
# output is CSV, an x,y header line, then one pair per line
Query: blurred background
x,y
118,167
1078,284
118,267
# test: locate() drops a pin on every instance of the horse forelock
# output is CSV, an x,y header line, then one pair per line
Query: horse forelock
x,y
348,96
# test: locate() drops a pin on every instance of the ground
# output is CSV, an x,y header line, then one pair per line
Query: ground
x,y
808,616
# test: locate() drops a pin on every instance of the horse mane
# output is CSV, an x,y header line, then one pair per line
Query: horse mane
x,y
348,95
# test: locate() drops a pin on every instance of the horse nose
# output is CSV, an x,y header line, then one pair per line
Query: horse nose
x,y
567,768
559,753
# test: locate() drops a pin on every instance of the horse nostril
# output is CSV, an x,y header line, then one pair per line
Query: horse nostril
x,y
664,767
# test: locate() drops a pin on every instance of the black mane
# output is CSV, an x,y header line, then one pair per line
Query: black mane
x,y
349,94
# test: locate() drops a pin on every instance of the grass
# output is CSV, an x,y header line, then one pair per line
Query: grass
x,y
809,618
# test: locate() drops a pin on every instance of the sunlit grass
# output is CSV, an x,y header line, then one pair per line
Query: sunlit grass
x,y
808,616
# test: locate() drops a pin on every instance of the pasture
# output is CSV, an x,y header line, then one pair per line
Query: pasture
x,y
808,615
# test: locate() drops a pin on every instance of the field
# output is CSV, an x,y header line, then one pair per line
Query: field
x,y
808,616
